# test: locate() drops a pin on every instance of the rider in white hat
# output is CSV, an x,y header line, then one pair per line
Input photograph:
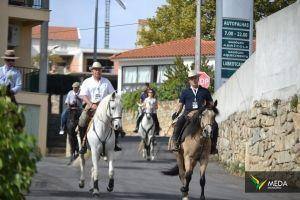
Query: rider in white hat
x,y
9,75
93,90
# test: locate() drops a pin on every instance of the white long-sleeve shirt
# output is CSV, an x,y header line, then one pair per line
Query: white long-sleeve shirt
x,y
12,76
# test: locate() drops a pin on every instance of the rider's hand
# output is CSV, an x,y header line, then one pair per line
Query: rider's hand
x,y
94,106
174,115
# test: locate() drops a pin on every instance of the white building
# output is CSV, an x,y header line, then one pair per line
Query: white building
x,y
65,42
148,65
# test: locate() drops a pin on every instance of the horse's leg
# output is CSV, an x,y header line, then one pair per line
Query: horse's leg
x,y
78,137
111,182
82,167
189,166
180,163
95,171
152,147
203,165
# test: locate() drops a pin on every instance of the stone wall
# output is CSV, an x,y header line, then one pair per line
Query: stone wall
x,y
164,113
266,137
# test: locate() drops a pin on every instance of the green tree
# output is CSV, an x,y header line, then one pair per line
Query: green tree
x,y
176,82
177,19
18,152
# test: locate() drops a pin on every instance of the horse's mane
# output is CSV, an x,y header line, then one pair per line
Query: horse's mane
x,y
101,109
195,120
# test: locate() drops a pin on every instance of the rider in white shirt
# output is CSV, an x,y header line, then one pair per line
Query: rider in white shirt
x,y
93,90
151,103
9,75
72,100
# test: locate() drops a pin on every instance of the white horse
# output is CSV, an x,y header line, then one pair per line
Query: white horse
x,y
101,138
146,131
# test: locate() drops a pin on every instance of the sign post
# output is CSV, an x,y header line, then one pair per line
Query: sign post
x,y
234,36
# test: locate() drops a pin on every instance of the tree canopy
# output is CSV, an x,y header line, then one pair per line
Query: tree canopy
x,y
177,19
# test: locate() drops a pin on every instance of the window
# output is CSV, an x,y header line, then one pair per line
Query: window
x,y
161,70
144,74
129,74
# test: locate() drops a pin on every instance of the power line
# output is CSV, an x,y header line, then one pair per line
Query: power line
x,y
85,29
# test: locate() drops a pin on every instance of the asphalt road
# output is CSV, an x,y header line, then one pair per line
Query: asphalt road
x,y
138,179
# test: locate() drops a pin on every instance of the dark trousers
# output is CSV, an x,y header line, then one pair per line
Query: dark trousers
x,y
156,122
178,127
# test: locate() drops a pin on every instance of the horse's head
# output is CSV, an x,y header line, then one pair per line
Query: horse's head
x,y
207,118
148,112
114,111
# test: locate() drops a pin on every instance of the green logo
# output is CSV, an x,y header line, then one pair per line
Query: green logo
x,y
258,185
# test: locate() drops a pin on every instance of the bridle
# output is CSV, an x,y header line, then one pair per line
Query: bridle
x,y
206,125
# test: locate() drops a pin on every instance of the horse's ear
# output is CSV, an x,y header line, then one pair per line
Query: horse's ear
x,y
215,103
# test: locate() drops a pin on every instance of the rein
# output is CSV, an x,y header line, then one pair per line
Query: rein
x,y
106,123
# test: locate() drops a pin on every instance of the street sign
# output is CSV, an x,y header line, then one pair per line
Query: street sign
x,y
238,54
234,33
235,44
204,80
226,63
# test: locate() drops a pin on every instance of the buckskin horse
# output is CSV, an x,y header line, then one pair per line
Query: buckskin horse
x,y
195,148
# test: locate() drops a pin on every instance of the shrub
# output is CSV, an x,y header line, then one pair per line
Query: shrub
x,y
130,99
18,152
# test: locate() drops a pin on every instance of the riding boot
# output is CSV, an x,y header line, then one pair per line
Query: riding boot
x,y
138,123
176,140
117,148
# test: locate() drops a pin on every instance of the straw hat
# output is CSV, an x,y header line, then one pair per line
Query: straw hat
x,y
10,54
75,84
192,73
96,65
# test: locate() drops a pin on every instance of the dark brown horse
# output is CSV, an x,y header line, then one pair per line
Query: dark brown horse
x,y
195,148
72,123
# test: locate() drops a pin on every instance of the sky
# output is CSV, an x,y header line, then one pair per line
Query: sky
x,y
80,14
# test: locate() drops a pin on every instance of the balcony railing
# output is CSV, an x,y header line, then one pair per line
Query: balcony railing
x,y
30,79
37,4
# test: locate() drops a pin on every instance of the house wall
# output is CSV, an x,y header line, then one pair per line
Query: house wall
x,y
119,64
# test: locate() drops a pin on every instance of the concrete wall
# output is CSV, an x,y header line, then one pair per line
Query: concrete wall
x,y
36,115
273,71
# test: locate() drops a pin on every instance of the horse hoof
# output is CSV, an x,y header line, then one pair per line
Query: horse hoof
x,y
184,189
110,189
185,198
96,194
111,184
152,157
202,198
81,184
148,159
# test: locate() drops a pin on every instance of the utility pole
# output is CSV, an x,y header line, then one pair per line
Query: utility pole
x,y
198,37
95,32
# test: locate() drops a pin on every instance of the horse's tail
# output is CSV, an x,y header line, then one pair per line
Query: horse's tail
x,y
174,171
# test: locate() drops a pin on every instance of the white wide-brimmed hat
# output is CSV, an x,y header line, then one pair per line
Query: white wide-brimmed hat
x,y
192,73
75,84
10,55
96,65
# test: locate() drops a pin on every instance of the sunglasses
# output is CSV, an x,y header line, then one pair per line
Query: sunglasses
x,y
9,60
193,78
